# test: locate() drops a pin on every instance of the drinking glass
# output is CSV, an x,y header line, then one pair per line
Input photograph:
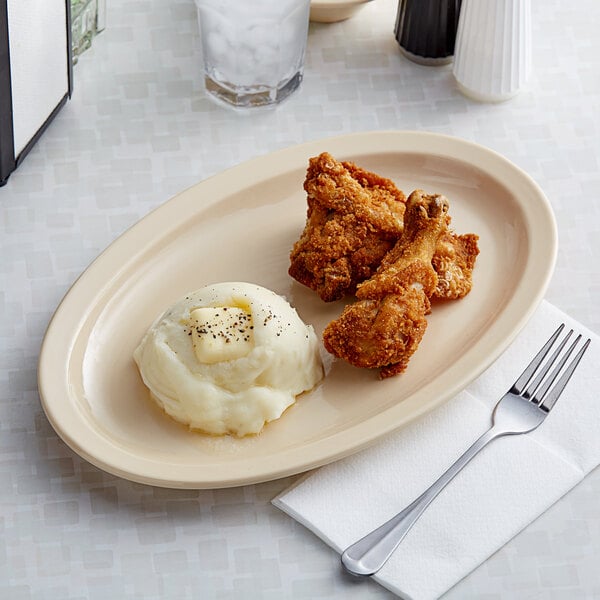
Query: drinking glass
x,y
253,52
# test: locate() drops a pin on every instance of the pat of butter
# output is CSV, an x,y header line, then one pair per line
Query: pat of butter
x,y
221,333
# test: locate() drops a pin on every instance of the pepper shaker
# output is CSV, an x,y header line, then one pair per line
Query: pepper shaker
x,y
426,30
493,48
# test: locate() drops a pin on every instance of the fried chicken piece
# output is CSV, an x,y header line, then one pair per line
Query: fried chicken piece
x,y
385,326
354,218
453,261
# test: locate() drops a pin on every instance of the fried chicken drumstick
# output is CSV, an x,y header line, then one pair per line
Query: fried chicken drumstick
x,y
354,217
385,326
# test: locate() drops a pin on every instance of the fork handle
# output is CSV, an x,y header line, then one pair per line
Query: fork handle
x,y
371,552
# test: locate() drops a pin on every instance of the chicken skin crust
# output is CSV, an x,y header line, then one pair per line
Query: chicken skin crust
x,y
354,218
384,327
453,261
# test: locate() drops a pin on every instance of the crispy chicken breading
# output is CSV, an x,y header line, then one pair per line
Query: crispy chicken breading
x,y
453,262
385,326
354,218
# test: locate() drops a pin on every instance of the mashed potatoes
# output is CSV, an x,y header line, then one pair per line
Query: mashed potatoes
x,y
229,358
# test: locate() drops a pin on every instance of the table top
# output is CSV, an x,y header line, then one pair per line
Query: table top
x,y
137,131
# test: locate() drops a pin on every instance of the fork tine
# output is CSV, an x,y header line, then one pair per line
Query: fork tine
x,y
539,377
523,379
538,396
548,398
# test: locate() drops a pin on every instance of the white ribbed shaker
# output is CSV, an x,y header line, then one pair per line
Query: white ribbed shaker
x,y
492,57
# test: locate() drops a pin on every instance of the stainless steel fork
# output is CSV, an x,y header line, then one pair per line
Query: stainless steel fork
x,y
521,410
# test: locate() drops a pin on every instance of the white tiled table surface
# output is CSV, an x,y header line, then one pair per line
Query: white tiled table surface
x,y
137,131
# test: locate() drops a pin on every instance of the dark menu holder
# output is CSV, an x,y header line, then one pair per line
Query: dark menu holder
x,y
43,51
426,30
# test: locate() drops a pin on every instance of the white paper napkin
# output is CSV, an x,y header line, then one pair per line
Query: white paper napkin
x,y
510,483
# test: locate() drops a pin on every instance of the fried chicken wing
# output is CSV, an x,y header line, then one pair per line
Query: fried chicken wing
x,y
453,261
354,218
385,326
